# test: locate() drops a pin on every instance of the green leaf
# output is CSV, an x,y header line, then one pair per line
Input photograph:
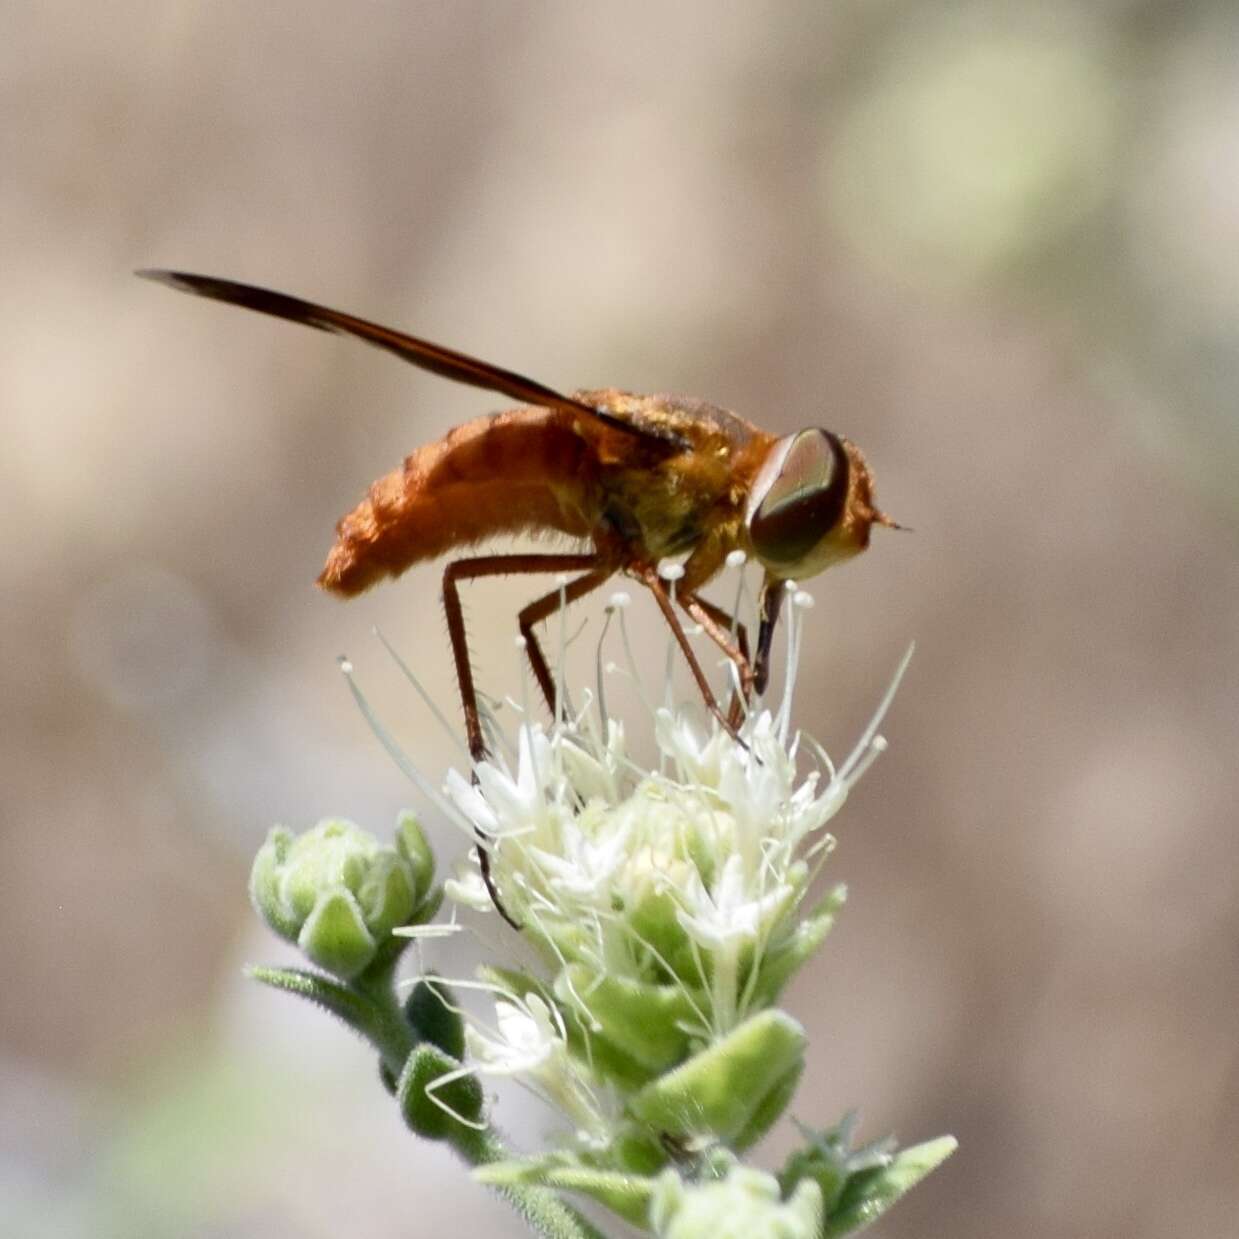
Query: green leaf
x,y
265,891
627,1195
364,1012
385,893
828,1172
542,1210
634,1150
432,1011
446,1113
869,1193
412,846
359,1012
723,1091
429,906
830,1161
643,1020
769,1108
783,961
335,936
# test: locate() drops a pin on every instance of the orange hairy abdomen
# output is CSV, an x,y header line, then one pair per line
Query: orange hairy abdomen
x,y
513,472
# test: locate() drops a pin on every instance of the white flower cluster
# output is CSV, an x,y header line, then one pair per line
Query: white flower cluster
x,y
666,900
669,904
624,870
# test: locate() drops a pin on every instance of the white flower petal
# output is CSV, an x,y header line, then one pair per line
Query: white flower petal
x,y
468,889
471,802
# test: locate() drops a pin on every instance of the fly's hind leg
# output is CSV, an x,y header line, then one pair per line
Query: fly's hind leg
x,y
468,570
500,565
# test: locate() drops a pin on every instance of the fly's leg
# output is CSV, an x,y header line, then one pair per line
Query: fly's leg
x,y
544,607
468,570
499,565
772,592
653,582
718,625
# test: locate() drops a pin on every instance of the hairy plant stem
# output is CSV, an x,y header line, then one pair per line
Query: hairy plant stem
x,y
389,1032
541,1209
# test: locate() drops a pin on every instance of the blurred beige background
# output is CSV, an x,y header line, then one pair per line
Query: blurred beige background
x,y
999,248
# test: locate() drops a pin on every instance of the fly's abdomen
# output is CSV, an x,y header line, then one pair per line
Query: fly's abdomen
x,y
524,471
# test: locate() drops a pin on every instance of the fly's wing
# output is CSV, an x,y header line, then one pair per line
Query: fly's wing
x,y
422,353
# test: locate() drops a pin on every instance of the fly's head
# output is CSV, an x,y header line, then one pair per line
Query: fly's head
x,y
811,505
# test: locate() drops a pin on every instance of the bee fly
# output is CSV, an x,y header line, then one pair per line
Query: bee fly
x,y
637,478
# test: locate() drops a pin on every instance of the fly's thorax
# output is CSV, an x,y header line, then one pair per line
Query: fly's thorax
x,y
665,509
810,505
666,504
700,427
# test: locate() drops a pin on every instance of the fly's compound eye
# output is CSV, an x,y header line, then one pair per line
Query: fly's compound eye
x,y
803,500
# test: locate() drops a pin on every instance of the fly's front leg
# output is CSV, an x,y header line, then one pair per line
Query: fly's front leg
x,y
718,625
649,577
771,604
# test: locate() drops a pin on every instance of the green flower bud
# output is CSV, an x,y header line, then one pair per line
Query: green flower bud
x,y
335,935
744,1204
337,892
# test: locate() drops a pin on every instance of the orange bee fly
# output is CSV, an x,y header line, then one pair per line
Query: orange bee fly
x,y
639,477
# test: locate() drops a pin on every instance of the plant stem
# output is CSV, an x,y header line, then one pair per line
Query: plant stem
x,y
542,1210
388,1030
